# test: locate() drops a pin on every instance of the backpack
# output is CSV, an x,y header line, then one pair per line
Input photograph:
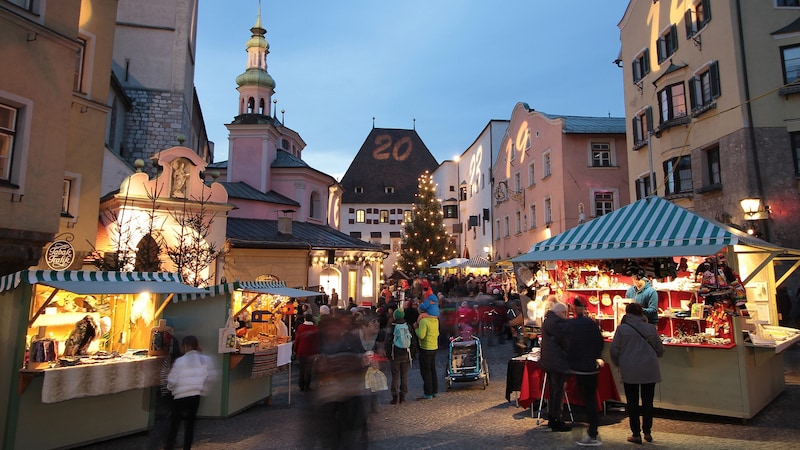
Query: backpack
x,y
402,337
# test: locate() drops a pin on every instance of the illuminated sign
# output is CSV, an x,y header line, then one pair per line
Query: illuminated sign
x,y
385,149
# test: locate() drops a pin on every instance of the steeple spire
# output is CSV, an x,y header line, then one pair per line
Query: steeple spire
x,y
256,86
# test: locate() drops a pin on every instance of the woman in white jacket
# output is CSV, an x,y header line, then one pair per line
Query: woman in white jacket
x,y
635,350
188,380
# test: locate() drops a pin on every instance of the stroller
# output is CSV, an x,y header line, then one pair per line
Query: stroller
x,y
465,360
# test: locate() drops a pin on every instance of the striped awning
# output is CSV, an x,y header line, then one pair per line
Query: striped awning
x,y
94,282
261,287
649,228
477,261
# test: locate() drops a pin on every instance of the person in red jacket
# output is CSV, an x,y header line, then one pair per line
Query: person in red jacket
x,y
306,347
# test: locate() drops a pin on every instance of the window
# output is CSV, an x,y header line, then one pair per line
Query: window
x,y
533,216
450,211
384,216
376,235
712,162
642,125
70,195
452,188
8,131
527,139
678,175
791,63
643,187
388,190
787,3
407,216
698,18
462,192
360,216
80,65
704,88
359,190
25,4
603,203
315,206
641,65
355,234
65,197
532,174
672,102
601,154
517,183
546,161
506,232
667,44
517,222
548,211
795,141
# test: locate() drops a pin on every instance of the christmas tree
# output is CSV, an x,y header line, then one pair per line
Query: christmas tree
x,y
425,241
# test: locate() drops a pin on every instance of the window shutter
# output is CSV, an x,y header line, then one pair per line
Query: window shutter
x,y
706,11
693,82
673,36
687,18
636,70
636,130
660,49
638,189
646,62
714,75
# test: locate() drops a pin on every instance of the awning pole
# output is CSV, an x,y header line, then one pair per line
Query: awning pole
x,y
163,305
44,305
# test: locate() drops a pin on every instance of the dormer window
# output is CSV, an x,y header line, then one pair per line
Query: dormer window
x,y
388,190
359,190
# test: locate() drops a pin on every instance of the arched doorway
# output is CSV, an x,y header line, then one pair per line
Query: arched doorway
x,y
330,278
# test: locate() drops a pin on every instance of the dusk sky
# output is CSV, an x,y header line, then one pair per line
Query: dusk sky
x,y
453,65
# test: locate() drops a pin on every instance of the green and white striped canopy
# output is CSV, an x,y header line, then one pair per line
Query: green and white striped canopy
x,y
88,282
649,228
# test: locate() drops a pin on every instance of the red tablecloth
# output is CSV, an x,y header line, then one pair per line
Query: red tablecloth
x,y
531,388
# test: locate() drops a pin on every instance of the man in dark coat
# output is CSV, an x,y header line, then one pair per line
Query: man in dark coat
x,y
584,357
553,361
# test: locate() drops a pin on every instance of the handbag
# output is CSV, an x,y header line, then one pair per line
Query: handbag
x,y
375,380
227,336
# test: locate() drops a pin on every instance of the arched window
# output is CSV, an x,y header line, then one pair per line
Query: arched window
x,y
366,283
251,104
315,206
261,107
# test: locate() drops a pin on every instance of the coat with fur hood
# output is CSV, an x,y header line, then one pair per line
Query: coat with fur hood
x,y
637,354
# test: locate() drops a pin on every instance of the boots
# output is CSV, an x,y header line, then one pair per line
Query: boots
x,y
394,400
402,399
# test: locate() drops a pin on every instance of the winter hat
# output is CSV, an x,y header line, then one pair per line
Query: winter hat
x,y
324,310
399,314
426,285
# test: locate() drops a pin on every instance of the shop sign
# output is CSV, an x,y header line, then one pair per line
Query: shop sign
x,y
59,255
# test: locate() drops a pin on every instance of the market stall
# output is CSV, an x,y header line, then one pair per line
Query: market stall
x,y
79,354
261,313
723,344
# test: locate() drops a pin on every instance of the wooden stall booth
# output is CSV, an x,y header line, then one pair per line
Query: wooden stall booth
x,y
723,343
260,315
78,352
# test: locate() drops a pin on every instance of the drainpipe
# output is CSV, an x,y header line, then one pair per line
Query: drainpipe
x,y
748,108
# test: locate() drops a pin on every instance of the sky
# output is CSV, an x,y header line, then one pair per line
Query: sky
x,y
443,67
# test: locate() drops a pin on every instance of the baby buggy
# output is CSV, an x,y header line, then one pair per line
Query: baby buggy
x,y
465,360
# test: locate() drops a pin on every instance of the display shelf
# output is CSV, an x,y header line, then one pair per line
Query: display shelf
x,y
680,344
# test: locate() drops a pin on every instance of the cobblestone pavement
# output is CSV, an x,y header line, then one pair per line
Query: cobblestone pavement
x,y
470,417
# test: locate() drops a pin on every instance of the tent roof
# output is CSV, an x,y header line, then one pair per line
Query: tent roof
x,y
649,228
475,262
450,263
261,287
87,282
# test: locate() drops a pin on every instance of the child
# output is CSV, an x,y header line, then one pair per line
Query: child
x,y
429,306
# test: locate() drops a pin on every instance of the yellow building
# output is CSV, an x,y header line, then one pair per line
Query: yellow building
x,y
53,113
699,77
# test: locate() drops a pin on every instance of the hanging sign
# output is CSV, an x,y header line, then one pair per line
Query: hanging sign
x,y
59,255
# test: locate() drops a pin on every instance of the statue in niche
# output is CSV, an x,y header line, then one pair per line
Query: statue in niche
x,y
180,178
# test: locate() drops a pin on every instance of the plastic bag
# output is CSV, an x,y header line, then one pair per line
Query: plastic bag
x,y
375,380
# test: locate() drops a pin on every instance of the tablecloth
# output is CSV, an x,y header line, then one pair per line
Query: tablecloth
x,y
531,388
100,378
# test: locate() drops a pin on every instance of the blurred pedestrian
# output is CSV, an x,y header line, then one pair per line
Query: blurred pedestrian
x,y
585,360
635,350
306,348
188,380
553,361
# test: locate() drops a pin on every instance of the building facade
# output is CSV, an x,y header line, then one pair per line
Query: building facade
x,y
554,172
379,188
713,106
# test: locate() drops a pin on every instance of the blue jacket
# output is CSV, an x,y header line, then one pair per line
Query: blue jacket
x,y
648,298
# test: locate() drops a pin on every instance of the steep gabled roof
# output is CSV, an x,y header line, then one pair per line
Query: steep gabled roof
x,y
257,233
242,190
388,158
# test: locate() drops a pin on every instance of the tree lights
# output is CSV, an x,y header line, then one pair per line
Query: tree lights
x,y
425,240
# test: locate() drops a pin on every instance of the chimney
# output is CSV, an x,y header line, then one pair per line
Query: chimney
x,y
285,225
